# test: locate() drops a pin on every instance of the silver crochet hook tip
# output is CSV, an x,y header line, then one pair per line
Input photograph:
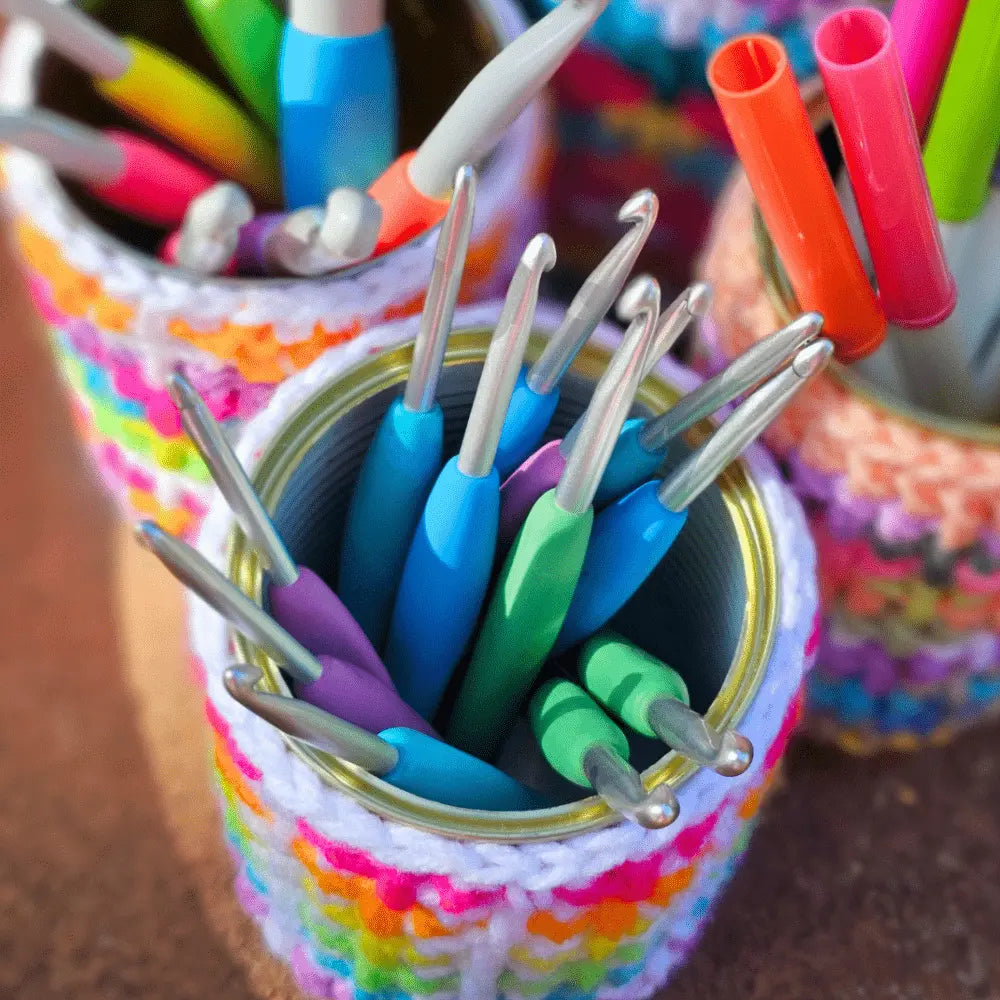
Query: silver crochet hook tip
x,y
196,573
735,755
210,232
659,810
231,478
503,359
442,294
758,363
596,296
812,359
307,723
592,439
699,298
620,786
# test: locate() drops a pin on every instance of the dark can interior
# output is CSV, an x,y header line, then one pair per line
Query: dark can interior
x,y
690,613
460,35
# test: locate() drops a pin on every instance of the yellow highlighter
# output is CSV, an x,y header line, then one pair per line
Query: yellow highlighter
x,y
153,87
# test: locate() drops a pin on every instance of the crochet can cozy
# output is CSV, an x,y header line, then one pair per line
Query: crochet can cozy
x,y
905,511
367,891
121,322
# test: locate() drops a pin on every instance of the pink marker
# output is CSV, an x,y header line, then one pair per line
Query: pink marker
x,y
123,170
864,82
925,32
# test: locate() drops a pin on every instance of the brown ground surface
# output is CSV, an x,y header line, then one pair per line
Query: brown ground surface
x,y
867,879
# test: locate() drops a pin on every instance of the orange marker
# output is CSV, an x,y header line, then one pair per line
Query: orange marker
x,y
767,119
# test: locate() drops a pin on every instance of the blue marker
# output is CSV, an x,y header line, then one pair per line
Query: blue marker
x,y
337,86
448,566
631,537
405,454
412,761
536,393
643,443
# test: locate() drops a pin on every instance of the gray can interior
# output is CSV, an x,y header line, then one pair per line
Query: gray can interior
x,y
690,613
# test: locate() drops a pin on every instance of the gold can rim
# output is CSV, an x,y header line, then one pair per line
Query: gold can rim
x,y
743,503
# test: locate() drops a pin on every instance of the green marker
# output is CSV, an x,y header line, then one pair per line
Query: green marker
x,y
965,132
652,698
245,38
536,584
583,745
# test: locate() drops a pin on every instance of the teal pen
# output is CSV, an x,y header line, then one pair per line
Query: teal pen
x,y
337,90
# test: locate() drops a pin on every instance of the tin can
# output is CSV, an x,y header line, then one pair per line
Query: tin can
x,y
365,889
904,506
121,322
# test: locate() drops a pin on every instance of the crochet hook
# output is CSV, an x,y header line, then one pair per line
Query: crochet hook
x,y
207,240
536,394
153,87
536,583
642,445
632,536
245,38
405,455
406,758
652,698
298,598
413,192
583,745
337,87
328,682
540,472
125,171
447,568
220,234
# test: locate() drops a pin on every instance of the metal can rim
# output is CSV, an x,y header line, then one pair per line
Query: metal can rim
x,y
742,502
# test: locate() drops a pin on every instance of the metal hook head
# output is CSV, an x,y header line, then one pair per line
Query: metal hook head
x,y
813,359
659,809
735,754
642,207
540,253
641,294
699,299
240,680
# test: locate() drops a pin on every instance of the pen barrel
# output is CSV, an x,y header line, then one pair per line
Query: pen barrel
x,y
925,33
767,119
965,131
338,113
867,93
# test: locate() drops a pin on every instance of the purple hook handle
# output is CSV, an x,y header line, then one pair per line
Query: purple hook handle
x,y
533,478
312,613
352,694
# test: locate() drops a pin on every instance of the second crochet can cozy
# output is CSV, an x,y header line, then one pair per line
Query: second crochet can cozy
x,y
907,524
362,905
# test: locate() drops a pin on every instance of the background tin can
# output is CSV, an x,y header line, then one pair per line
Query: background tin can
x,y
121,322
364,889
905,510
